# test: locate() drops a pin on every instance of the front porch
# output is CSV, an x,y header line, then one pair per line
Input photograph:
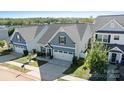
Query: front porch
x,y
116,57
46,53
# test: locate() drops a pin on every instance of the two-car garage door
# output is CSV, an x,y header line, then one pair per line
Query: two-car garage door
x,y
68,56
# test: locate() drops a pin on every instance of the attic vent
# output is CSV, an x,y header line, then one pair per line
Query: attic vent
x,y
112,25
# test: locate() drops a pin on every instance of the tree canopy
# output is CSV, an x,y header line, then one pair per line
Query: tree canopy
x,y
48,20
97,58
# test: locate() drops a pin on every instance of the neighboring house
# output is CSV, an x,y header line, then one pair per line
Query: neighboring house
x,y
25,38
110,31
62,41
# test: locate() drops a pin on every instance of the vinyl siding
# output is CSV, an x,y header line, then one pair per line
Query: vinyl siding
x,y
69,42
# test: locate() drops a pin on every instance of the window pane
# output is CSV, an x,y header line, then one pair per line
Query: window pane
x,y
99,37
105,38
62,40
116,37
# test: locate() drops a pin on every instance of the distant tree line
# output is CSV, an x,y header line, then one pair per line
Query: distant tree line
x,y
48,20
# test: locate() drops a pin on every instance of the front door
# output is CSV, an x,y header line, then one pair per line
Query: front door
x,y
113,58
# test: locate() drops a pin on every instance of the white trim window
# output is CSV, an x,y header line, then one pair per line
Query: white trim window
x,y
99,38
105,38
116,37
62,40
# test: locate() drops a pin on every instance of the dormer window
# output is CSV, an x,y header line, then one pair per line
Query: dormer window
x,y
62,40
18,38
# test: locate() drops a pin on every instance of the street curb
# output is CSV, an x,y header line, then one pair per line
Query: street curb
x,y
18,72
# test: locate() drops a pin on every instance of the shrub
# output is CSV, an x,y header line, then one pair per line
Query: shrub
x,y
80,61
5,52
2,43
25,52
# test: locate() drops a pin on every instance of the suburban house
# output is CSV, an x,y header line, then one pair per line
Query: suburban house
x,y
62,41
110,31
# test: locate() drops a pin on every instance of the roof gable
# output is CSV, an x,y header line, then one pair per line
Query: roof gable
x,y
112,25
102,20
29,33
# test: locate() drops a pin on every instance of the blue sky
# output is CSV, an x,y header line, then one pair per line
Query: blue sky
x,y
27,14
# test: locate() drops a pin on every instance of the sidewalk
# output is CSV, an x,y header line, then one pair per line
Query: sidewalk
x,y
72,78
26,66
35,71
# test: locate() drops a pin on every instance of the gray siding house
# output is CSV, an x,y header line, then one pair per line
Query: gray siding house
x,y
62,41
110,31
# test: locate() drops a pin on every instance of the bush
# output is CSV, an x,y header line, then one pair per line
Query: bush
x,y
25,52
2,43
5,52
80,61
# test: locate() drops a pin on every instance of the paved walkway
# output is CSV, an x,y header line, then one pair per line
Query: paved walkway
x,y
72,78
26,66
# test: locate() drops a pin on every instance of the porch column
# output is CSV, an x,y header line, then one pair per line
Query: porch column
x,y
109,56
120,58
46,51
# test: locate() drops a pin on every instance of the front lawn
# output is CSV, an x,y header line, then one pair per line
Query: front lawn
x,y
71,69
76,70
34,62
15,67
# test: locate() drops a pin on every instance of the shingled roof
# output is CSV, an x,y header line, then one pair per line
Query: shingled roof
x,y
102,20
29,32
75,31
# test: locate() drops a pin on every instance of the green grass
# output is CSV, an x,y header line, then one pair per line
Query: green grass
x,y
71,69
81,73
22,59
15,67
34,62
78,71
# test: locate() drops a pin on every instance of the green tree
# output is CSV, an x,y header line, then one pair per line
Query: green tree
x,y
2,43
97,58
10,32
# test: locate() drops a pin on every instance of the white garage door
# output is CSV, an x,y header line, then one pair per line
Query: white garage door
x,y
68,56
19,49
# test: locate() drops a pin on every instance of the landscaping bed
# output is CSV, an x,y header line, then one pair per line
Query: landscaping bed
x,y
15,67
4,52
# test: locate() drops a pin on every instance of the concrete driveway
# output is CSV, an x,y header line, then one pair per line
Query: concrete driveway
x,y
9,57
53,69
